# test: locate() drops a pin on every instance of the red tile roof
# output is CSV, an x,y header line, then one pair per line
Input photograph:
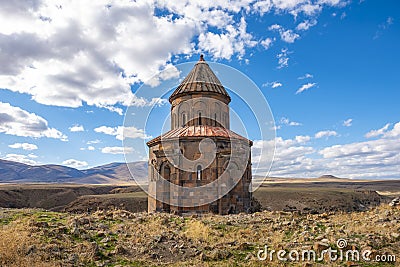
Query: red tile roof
x,y
198,131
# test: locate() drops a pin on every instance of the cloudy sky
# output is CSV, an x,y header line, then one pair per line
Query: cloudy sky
x,y
328,68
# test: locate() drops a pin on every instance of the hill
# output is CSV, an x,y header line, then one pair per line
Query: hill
x,y
113,173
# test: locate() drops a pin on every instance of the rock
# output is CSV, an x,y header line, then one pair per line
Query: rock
x,y
95,249
203,257
39,224
395,235
30,250
325,241
105,240
101,233
75,231
324,215
119,249
219,254
395,202
83,221
319,246
61,229
244,246
73,258
159,238
102,226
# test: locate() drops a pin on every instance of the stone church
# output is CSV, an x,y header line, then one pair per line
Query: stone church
x,y
200,165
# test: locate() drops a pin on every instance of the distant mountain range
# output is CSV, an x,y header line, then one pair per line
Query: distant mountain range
x,y
113,173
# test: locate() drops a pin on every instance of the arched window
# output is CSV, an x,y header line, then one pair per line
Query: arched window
x,y
183,119
199,118
215,119
199,172
166,172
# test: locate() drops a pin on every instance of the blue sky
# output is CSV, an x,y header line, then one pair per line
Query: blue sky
x,y
328,68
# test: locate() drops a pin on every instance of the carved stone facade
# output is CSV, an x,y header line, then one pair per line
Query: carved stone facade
x,y
200,111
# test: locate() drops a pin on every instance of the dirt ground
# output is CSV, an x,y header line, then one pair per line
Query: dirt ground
x,y
306,197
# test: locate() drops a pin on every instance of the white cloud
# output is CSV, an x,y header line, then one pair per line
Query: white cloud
x,y
263,6
76,128
120,111
333,2
322,134
372,159
394,133
286,121
223,45
290,156
90,148
288,4
73,163
21,158
348,122
383,26
97,141
283,58
375,133
305,25
306,76
16,121
24,146
117,150
302,138
274,84
89,56
308,9
91,52
287,36
121,132
169,72
305,87
267,42
274,27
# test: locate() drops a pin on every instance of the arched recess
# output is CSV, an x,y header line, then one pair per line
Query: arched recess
x,y
183,119
200,109
165,172
233,171
217,114
174,122
183,109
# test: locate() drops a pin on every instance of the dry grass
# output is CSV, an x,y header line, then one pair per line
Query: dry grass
x,y
17,246
115,237
197,230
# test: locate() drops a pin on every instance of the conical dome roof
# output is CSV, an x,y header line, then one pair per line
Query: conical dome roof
x,y
200,79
